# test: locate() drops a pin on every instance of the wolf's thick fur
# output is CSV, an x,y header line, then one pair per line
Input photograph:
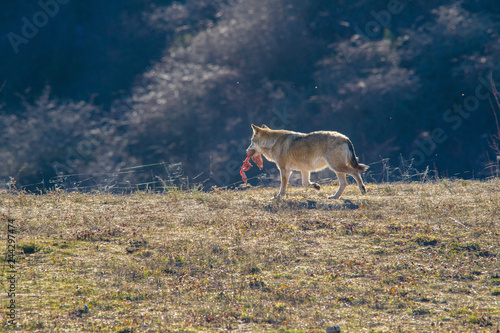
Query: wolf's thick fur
x,y
308,152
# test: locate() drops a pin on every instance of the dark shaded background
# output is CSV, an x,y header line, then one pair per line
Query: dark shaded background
x,y
107,85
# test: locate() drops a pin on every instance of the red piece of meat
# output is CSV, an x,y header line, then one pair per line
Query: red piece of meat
x,y
247,165
258,161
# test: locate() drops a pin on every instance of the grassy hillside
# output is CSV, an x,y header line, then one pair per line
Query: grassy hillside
x,y
415,257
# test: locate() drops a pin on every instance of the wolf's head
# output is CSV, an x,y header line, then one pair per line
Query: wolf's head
x,y
255,148
257,144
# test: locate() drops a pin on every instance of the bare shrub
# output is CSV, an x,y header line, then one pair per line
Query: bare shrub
x,y
55,136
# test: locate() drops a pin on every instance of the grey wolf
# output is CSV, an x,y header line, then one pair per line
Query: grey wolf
x,y
305,153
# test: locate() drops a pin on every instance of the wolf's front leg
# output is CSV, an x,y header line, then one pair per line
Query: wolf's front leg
x,y
285,175
306,180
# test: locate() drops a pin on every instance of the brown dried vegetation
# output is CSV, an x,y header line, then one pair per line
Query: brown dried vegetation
x,y
415,257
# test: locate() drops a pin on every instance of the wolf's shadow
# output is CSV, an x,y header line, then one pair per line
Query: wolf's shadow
x,y
342,204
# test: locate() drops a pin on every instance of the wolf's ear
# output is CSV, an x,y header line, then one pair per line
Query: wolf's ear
x,y
255,128
265,127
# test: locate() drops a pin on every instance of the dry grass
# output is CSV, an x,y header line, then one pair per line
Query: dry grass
x,y
404,258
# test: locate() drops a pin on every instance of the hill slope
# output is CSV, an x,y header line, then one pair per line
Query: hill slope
x,y
406,257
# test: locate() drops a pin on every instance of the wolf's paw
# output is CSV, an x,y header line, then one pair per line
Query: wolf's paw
x,y
316,186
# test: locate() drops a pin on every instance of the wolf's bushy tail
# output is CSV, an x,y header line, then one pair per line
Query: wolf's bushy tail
x,y
354,160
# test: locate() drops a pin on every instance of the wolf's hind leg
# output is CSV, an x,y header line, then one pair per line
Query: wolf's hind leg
x,y
342,185
359,181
